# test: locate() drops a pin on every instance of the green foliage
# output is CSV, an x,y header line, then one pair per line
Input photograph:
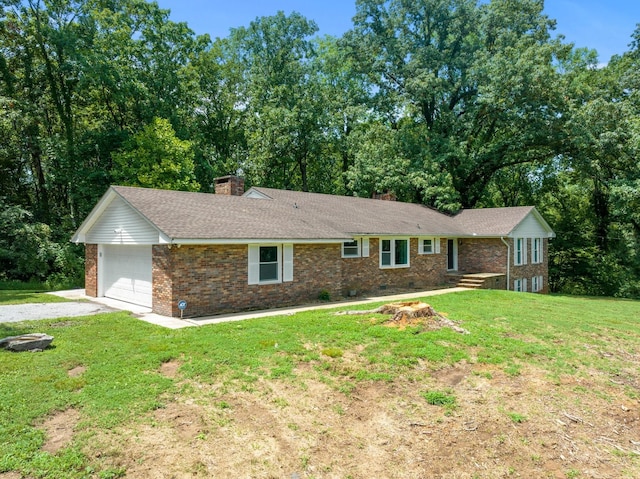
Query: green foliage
x,y
449,103
333,352
324,295
440,398
23,297
156,158
28,251
516,417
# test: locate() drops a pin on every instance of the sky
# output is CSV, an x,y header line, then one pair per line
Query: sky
x,y
603,25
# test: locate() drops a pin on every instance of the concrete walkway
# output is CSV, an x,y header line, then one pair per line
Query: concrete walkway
x,y
147,315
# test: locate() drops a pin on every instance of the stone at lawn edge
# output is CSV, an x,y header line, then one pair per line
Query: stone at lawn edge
x,y
26,342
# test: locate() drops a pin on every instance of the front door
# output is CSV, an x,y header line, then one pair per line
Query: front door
x,y
452,255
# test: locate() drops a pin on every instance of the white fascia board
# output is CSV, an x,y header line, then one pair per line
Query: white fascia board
x,y
81,233
221,241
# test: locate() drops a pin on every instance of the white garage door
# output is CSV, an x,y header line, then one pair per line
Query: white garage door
x,y
127,273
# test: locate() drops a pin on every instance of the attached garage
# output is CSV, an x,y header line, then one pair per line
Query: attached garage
x,y
126,273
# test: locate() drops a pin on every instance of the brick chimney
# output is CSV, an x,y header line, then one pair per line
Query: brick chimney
x,y
386,196
229,185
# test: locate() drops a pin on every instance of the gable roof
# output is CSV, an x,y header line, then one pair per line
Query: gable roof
x,y
264,214
498,221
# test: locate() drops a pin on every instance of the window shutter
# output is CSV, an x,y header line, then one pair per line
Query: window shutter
x,y
365,247
525,253
540,253
524,285
287,263
254,264
437,245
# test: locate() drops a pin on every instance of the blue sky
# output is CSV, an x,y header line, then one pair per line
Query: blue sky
x,y
605,25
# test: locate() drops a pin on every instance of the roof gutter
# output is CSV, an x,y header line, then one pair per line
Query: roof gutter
x,y
508,260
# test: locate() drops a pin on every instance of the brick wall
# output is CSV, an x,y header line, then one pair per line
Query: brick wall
x,y
214,279
91,269
489,255
163,300
229,185
529,270
364,275
482,255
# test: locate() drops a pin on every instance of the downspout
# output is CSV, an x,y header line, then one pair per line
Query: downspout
x,y
508,260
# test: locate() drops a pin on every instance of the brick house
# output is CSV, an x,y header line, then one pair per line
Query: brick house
x,y
237,250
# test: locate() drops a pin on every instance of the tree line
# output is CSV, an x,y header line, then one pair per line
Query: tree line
x,y
450,103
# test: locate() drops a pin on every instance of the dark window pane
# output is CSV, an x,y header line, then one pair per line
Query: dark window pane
x,y
350,248
269,272
401,252
268,254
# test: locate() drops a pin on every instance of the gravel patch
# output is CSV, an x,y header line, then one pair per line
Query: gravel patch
x,y
25,312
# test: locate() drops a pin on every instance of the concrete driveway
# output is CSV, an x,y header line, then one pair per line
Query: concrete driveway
x,y
24,312
82,305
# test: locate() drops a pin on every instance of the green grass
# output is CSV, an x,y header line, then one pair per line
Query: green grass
x,y
122,356
26,296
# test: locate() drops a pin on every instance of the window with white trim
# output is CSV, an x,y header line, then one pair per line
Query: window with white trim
x,y
351,249
428,245
520,285
394,253
270,263
536,284
536,250
520,251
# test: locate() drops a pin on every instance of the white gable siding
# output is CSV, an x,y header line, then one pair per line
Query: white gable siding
x,y
120,224
530,227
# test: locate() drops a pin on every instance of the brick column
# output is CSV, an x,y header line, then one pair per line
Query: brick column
x,y
91,269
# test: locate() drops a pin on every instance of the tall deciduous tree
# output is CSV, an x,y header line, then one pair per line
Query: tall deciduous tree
x,y
286,114
474,83
156,158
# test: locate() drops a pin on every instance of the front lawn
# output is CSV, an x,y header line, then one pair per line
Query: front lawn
x,y
544,386
22,297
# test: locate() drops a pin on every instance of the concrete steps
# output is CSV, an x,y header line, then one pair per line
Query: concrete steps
x,y
468,281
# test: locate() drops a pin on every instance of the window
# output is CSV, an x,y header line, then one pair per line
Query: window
x,y
269,265
356,248
428,245
394,253
520,285
520,251
351,249
536,284
536,253
272,263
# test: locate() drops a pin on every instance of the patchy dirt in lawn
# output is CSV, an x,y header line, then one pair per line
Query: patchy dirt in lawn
x,y
527,426
59,430
77,371
169,369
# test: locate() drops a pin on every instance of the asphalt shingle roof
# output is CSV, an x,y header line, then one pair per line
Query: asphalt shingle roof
x,y
298,216
492,221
